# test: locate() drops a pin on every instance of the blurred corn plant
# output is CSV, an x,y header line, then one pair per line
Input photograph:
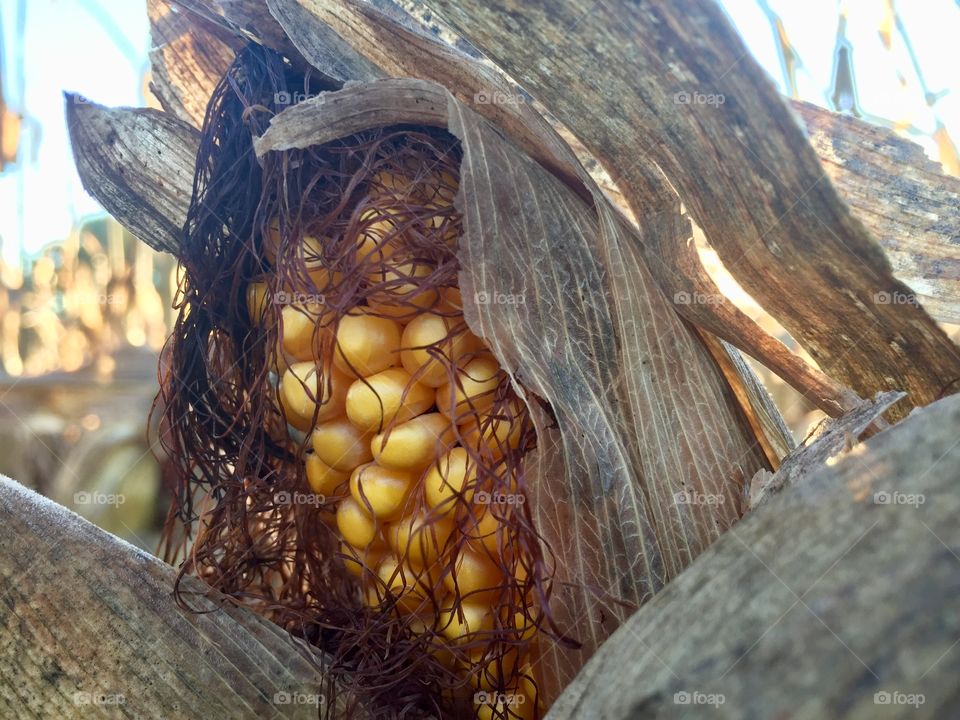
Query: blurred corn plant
x,y
83,323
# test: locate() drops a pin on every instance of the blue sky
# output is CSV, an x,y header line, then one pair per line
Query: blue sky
x,y
98,48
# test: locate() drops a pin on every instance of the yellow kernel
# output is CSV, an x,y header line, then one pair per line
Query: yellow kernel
x,y
460,622
450,300
386,182
411,587
256,301
374,402
478,578
341,445
366,344
312,246
359,561
433,332
323,279
447,478
403,295
301,336
301,388
484,530
496,669
526,630
491,435
380,490
474,392
356,526
323,479
300,422
414,444
379,236
419,539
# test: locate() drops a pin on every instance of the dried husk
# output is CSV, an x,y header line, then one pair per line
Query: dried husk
x,y
187,59
139,164
548,459
741,165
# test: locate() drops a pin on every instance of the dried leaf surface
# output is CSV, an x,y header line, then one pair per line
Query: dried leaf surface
x,y
187,61
901,196
836,590
839,434
86,614
320,45
139,164
670,85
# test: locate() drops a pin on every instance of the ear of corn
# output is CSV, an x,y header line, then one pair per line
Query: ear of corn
x,y
410,420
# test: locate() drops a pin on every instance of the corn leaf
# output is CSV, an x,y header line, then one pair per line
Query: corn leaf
x,y
840,590
670,86
187,59
90,625
138,164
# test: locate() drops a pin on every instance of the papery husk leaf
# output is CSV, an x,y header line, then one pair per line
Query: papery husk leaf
x,y
88,616
901,196
813,605
247,20
768,425
186,59
837,436
320,45
138,164
404,51
642,409
624,78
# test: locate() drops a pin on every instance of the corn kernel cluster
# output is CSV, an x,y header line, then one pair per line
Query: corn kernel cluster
x,y
409,419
